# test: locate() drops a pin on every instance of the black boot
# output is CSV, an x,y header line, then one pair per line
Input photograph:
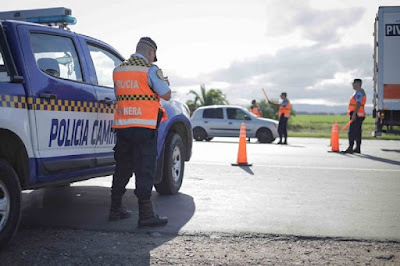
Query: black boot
x,y
147,216
350,148
358,147
118,211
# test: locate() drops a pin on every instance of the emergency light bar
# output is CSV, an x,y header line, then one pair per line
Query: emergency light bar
x,y
58,16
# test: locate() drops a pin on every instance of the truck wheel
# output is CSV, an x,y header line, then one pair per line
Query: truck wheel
x,y
264,135
209,138
174,166
199,134
10,202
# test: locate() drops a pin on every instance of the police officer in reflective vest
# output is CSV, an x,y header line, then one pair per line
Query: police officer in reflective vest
x,y
138,85
284,114
255,109
356,111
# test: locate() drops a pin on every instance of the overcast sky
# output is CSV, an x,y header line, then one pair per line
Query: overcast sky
x,y
311,49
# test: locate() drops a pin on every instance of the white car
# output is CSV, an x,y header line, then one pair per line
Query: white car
x,y
225,121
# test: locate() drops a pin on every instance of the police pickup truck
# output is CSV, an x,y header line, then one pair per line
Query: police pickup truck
x,y
56,111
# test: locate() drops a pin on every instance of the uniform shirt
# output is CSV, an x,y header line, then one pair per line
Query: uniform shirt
x,y
159,86
358,96
284,102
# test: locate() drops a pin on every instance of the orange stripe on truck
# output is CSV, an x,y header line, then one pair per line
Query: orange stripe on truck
x,y
391,91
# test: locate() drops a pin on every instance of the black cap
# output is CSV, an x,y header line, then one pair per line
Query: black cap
x,y
284,94
253,101
357,80
151,43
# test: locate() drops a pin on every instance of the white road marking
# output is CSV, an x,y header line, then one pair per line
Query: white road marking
x,y
302,167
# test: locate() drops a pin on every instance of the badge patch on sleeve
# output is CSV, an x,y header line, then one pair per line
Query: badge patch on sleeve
x,y
160,75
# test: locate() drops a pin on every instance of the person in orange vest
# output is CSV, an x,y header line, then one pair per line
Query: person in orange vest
x,y
255,109
138,86
356,111
284,114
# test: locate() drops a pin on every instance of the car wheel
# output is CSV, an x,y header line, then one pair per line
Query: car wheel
x,y
199,134
174,166
209,138
10,202
264,135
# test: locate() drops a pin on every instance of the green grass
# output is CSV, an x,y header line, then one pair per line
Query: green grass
x,y
320,126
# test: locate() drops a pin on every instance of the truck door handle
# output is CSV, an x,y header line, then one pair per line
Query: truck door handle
x,y
205,122
230,123
106,101
46,95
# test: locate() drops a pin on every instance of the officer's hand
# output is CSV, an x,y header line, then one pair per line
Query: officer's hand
x,y
166,80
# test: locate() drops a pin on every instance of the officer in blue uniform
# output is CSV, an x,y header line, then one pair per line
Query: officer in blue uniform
x,y
136,149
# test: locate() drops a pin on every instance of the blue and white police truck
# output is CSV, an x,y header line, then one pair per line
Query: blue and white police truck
x,y
56,111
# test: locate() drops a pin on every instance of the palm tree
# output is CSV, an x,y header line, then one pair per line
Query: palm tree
x,y
210,97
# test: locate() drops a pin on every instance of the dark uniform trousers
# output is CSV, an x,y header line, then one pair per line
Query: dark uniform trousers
x,y
135,152
282,127
355,131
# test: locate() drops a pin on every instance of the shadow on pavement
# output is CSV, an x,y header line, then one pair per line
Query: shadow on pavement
x,y
86,208
389,150
383,160
247,170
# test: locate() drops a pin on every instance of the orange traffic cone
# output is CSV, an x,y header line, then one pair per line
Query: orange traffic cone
x,y
335,137
242,154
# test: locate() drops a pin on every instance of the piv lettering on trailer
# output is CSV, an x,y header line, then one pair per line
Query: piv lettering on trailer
x,y
392,29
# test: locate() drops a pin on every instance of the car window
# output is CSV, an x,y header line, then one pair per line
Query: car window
x,y
235,113
214,113
104,63
56,55
4,76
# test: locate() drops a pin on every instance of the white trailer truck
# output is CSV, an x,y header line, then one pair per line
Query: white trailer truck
x,y
387,70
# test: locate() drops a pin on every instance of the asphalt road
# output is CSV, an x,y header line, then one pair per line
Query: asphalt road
x,y
300,189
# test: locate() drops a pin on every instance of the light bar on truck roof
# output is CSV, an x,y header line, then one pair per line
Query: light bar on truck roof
x,y
58,16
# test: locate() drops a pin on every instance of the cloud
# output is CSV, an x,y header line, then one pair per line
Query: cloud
x,y
323,26
316,72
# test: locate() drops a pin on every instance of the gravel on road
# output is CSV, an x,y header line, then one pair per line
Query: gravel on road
x,y
59,246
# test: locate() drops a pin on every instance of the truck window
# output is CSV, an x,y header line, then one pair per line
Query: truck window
x,y
4,77
237,114
214,113
56,56
104,63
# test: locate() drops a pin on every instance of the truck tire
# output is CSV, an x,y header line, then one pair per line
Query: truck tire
x,y
199,134
174,166
264,135
10,202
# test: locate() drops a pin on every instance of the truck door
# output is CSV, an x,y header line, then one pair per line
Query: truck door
x,y
101,64
64,102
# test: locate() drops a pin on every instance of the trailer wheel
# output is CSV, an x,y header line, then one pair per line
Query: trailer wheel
x,y
10,202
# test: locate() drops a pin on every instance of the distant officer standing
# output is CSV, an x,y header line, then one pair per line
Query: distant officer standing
x,y
255,109
356,111
138,87
284,114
